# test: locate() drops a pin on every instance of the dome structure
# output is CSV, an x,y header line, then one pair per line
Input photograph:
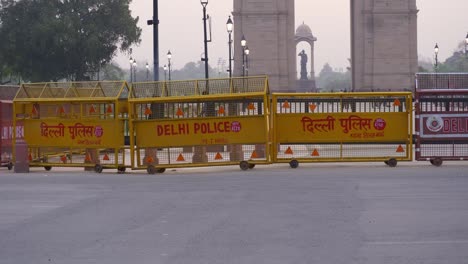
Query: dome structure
x,y
307,81
304,31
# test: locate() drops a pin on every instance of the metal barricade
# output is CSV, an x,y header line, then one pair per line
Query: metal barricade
x,y
6,130
199,123
7,93
336,127
441,125
77,124
431,80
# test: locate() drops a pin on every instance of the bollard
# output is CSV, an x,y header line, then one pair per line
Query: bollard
x,y
21,160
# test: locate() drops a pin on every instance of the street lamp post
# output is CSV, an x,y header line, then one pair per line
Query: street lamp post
x,y
204,3
199,155
436,53
169,57
134,70
243,45
229,26
156,108
247,52
165,72
147,72
131,69
155,23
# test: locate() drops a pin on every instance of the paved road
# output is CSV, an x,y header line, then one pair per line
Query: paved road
x,y
323,213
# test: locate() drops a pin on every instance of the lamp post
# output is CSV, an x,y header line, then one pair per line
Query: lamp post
x,y
436,53
165,72
131,69
204,3
147,72
247,52
134,70
169,57
155,107
243,45
155,23
229,26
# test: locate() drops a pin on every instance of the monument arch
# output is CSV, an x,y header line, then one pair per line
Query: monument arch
x,y
383,42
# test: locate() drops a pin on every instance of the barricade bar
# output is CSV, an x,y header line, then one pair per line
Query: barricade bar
x,y
447,81
75,124
442,101
183,124
8,92
442,126
236,85
342,127
73,90
6,133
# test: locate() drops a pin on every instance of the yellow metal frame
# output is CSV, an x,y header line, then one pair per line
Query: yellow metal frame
x,y
341,96
176,89
73,93
229,93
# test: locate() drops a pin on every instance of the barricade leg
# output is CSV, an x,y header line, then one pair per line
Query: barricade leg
x,y
199,155
260,149
91,157
151,157
236,153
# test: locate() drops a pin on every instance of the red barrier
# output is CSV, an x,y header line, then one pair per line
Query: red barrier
x,y
441,125
6,133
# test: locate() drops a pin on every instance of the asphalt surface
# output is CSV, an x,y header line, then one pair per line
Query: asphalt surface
x,y
319,213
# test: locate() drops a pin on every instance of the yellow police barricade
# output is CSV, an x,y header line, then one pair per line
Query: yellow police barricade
x,y
336,127
74,124
199,123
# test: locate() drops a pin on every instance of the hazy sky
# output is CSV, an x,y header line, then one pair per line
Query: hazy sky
x,y
181,30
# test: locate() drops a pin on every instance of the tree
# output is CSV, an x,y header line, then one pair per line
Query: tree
x,y
330,80
45,40
458,62
112,72
191,71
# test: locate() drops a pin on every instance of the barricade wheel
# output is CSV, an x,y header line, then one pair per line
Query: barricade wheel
x,y
392,162
121,169
10,166
47,168
437,162
151,169
98,168
294,164
244,165
161,170
251,166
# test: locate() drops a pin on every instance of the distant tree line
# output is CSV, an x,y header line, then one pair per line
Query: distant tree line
x,y
330,80
335,81
190,71
458,62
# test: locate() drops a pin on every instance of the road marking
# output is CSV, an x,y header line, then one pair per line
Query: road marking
x,y
429,242
45,206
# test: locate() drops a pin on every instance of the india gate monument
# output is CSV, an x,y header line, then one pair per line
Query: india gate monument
x,y
383,43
